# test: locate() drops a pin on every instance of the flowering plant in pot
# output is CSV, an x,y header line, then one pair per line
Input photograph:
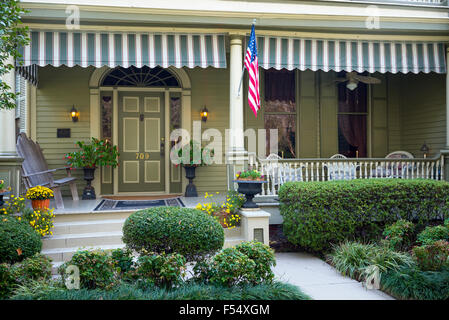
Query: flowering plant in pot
x,y
226,213
191,156
250,183
40,197
91,155
3,191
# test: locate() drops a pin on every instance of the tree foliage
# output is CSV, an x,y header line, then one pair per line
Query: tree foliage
x,y
13,35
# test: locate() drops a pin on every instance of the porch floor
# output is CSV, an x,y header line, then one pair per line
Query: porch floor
x,y
88,206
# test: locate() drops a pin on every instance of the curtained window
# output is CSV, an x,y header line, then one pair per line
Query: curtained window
x,y
280,110
352,121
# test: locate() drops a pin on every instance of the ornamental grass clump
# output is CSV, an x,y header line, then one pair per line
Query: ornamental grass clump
x,y
356,260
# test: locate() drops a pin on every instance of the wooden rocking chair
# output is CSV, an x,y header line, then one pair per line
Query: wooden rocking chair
x,y
35,170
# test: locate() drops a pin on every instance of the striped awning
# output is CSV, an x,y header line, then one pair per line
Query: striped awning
x,y
351,55
99,49
29,73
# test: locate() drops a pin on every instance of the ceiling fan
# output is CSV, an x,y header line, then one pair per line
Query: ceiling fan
x,y
353,79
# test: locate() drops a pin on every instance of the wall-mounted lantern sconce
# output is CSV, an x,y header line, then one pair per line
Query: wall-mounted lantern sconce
x,y
204,114
425,150
74,114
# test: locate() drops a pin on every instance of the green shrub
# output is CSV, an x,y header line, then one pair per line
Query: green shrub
x,y
165,270
231,267
37,268
96,269
186,231
399,235
263,256
431,234
7,280
432,257
123,259
412,283
354,259
18,240
319,213
269,291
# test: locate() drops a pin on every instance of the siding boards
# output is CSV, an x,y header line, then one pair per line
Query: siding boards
x,y
423,112
59,89
210,87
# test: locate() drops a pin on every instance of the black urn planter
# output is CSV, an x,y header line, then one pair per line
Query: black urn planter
x,y
250,188
190,188
89,191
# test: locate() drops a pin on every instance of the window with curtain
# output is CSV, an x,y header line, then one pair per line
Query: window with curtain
x,y
280,110
352,120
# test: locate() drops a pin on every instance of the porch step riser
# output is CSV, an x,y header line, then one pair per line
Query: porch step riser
x,y
81,242
67,229
92,216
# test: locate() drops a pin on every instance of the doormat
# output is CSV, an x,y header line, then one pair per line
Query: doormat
x,y
108,204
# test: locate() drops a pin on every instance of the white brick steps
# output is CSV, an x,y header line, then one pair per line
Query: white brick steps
x,y
104,225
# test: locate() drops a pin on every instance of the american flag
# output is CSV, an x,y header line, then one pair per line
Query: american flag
x,y
252,65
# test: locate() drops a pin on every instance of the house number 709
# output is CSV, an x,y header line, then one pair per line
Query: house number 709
x,y
141,155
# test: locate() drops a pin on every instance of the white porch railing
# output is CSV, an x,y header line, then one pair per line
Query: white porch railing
x,y
280,171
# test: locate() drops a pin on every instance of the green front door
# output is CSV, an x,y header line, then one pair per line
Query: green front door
x,y
141,142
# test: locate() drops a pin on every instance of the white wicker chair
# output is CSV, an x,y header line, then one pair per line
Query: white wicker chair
x,y
389,171
281,172
341,170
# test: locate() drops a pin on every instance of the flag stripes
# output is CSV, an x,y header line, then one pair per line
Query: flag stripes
x,y
350,55
124,49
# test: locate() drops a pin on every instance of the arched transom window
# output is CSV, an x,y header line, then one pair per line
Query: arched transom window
x,y
140,77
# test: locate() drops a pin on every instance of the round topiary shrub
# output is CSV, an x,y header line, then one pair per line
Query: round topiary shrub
x,y
186,231
18,240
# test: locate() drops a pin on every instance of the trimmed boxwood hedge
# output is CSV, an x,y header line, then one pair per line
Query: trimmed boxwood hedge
x,y
319,213
186,231
18,240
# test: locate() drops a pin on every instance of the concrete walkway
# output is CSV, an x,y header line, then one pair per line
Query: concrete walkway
x,y
319,280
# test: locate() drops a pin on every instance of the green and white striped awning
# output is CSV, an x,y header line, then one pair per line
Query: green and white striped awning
x,y
351,55
112,49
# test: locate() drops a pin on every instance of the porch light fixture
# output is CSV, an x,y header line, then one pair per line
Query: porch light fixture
x,y
425,150
74,114
204,114
352,85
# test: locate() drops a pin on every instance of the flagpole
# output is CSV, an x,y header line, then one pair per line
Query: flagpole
x,y
243,70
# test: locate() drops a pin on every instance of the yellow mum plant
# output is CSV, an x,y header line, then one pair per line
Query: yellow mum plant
x,y
226,213
39,193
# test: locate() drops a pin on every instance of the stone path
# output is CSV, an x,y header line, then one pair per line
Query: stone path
x,y
319,280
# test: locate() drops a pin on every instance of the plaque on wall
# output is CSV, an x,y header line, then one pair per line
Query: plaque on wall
x,y
63,133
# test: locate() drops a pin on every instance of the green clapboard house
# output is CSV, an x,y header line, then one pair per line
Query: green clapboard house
x,y
361,79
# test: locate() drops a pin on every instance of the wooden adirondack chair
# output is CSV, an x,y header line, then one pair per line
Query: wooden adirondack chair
x,y
35,170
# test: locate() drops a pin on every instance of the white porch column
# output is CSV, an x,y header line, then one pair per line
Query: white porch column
x,y
236,154
445,152
9,160
8,120
447,98
236,98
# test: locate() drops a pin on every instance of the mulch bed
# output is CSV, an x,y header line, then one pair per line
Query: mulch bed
x,y
279,242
